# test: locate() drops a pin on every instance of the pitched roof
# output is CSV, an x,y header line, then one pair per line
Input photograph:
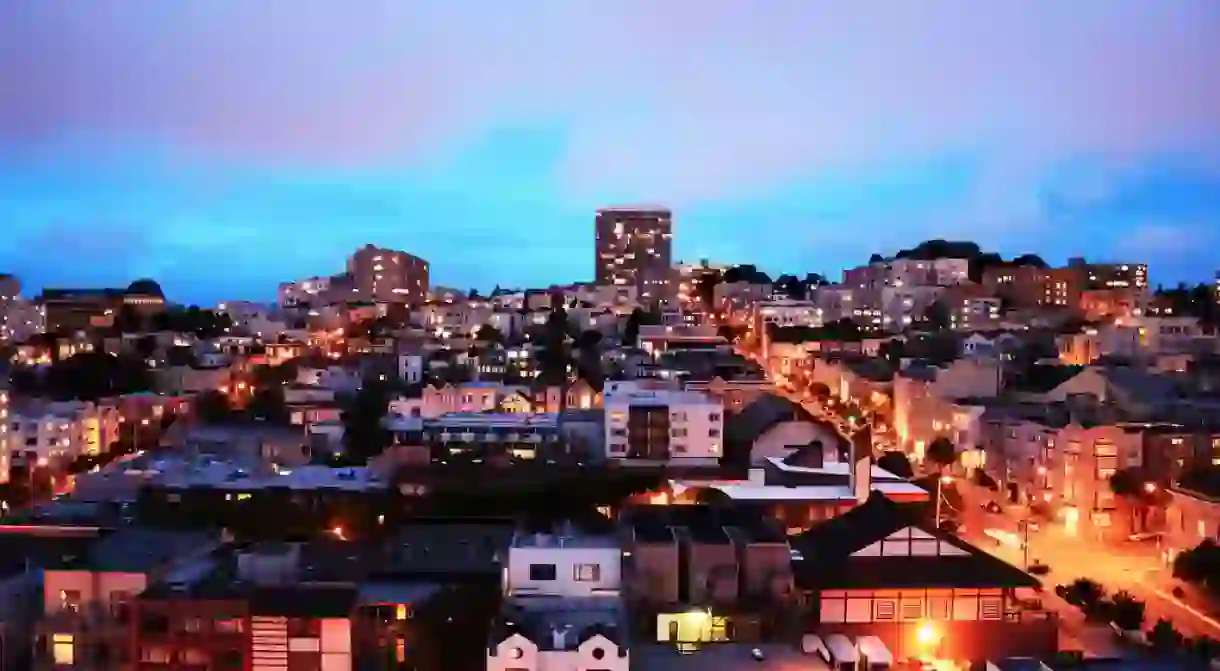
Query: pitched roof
x,y
767,410
1041,379
828,556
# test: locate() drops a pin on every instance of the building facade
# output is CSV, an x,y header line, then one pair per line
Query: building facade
x,y
388,276
633,248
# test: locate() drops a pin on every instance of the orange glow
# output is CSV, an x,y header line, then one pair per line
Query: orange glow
x,y
659,499
338,532
927,635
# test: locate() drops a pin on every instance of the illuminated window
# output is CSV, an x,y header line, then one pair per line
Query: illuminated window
x,y
63,648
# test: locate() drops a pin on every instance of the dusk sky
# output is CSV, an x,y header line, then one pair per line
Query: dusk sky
x,y
223,146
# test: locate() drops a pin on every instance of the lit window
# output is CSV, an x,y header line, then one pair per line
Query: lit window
x,y
63,649
587,572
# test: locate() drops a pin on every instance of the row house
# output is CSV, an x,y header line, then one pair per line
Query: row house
x,y
941,272
785,313
1191,518
435,401
924,397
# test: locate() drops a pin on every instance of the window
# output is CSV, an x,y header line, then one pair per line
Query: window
x,y
63,649
587,572
542,572
713,433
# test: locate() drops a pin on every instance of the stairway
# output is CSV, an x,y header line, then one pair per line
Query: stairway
x,y
269,643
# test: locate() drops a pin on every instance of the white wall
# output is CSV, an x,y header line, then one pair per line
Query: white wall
x,y
609,561
518,652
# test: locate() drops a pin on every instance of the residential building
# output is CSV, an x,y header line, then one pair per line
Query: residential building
x,y
633,247
87,597
731,565
499,438
971,307
1112,303
880,570
388,276
10,295
309,292
69,310
663,425
5,433
563,608
50,435
1112,275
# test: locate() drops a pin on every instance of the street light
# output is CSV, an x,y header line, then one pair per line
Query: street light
x,y
1150,487
940,483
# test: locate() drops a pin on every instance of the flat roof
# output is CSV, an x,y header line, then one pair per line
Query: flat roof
x,y
573,539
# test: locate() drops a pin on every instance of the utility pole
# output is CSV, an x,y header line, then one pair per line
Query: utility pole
x,y
1025,542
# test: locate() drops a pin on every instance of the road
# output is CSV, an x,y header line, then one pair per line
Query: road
x,y
1132,567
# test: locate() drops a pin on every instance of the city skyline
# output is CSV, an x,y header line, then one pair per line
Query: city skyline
x,y
250,151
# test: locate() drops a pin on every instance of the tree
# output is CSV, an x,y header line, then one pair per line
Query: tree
x,y
1163,637
89,376
631,331
129,320
563,352
489,334
892,350
941,452
896,463
790,286
936,316
364,436
1136,491
1127,612
267,403
213,407
1085,593
146,346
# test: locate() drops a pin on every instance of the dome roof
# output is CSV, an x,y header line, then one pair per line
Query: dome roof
x,y
145,287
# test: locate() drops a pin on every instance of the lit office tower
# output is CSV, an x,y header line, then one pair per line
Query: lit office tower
x,y
388,276
633,249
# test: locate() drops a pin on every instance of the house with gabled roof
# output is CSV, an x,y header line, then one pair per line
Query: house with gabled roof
x,y
880,570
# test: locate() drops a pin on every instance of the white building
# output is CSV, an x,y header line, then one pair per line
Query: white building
x,y
785,313
564,610
565,564
663,425
308,291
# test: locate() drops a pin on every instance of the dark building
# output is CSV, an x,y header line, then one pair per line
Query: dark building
x,y
633,248
69,310
387,276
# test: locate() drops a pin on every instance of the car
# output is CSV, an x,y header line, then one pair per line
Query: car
x,y
1038,568
991,506
758,655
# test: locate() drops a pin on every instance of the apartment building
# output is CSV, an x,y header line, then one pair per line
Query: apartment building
x,y
663,425
563,607
1062,461
44,435
87,597
1112,275
633,248
902,304
1112,303
388,276
308,292
5,432
971,308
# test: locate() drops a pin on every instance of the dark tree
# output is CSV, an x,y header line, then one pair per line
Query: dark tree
x,y
92,375
129,320
489,334
941,452
876,258
936,316
364,436
892,350
146,346
267,403
705,288
631,331
790,286
1030,260
213,407
896,463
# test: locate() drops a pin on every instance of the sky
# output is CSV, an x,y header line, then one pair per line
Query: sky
x,y
222,147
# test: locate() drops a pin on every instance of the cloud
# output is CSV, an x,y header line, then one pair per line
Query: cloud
x,y
1166,239
680,100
